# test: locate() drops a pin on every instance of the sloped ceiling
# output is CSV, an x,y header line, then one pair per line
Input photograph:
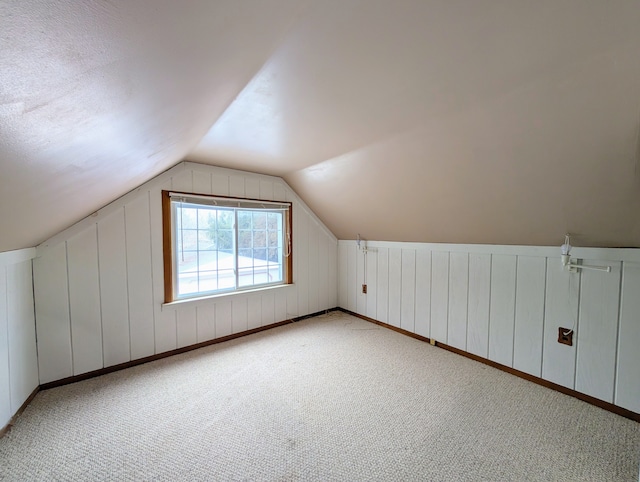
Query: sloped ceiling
x,y
99,96
489,121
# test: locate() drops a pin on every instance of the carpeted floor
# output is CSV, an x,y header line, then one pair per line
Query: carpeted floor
x,y
328,398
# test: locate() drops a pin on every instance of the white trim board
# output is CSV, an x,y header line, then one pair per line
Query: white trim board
x,y
604,254
16,256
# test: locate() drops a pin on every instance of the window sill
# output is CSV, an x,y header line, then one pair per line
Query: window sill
x,y
213,298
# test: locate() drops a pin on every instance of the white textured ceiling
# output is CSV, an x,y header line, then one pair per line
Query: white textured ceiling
x,y
488,121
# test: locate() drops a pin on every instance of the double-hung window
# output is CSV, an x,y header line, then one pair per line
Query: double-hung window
x,y
215,245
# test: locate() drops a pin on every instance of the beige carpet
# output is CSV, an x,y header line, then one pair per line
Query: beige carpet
x,y
329,398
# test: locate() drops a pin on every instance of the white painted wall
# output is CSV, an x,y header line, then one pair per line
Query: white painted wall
x,y
505,303
18,359
99,285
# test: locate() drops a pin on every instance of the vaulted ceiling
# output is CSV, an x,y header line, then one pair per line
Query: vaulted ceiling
x,y
488,121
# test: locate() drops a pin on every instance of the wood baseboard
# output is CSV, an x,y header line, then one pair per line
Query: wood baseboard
x,y
140,361
4,430
623,412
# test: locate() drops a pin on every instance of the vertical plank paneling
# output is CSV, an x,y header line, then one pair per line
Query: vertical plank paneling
x,y
423,292
239,315
503,300
333,272
202,182
361,298
23,359
84,301
224,324
529,323
343,276
314,279
458,299
371,265
124,303
187,331
236,186
165,320
281,305
439,295
478,305
352,268
252,188
268,309
206,322
395,286
303,263
220,184
139,279
382,305
266,190
292,293
408,288
291,197
183,181
628,376
323,273
279,192
52,313
561,310
114,302
254,311
502,309
5,379
598,331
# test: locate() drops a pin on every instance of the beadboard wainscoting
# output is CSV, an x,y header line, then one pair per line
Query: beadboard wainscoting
x,y
18,359
506,303
99,285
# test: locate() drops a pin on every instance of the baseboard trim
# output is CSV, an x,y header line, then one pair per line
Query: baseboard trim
x,y
5,430
610,407
159,356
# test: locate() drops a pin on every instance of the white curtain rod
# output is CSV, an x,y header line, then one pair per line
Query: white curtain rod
x,y
229,202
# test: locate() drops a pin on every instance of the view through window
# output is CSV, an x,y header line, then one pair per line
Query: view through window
x,y
225,244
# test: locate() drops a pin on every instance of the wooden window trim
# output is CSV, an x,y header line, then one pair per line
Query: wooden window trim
x,y
167,243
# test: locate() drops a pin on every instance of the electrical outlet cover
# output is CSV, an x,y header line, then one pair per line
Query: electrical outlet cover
x,y
565,336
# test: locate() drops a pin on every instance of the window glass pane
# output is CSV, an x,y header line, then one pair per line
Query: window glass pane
x,y
207,260
259,239
210,255
244,239
245,276
189,218
244,220
226,279
273,238
208,280
275,273
188,240
206,239
260,257
225,218
206,218
259,220
224,240
188,262
272,220
187,282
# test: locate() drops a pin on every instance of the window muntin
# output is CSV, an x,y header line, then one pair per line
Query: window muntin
x,y
218,245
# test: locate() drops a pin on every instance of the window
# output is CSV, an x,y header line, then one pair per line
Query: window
x,y
217,244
